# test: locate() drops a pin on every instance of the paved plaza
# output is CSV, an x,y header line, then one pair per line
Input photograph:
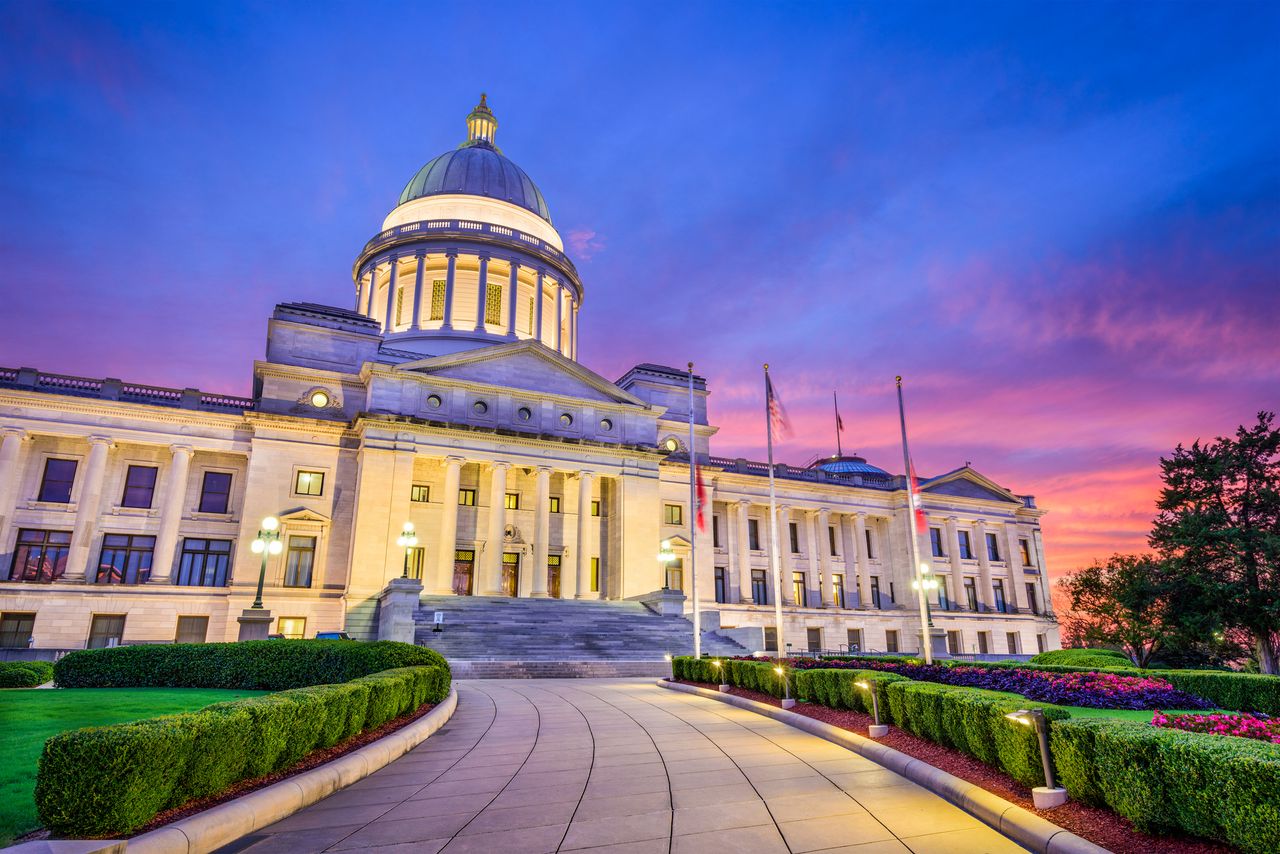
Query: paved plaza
x,y
625,767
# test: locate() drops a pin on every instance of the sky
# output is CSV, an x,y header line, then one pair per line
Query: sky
x,y
1059,222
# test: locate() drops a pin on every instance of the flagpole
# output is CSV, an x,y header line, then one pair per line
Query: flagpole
x,y
836,403
925,639
693,527
773,522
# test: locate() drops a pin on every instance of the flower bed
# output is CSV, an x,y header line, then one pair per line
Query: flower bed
x,y
1241,726
1093,690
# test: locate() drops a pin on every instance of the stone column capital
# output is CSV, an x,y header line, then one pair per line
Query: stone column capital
x,y
14,433
547,470
101,440
420,254
500,465
181,450
586,475
743,504
452,461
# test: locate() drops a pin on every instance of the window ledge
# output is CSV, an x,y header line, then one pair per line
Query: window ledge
x,y
197,516
142,512
66,507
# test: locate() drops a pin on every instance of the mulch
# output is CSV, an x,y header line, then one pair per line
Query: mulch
x,y
1099,826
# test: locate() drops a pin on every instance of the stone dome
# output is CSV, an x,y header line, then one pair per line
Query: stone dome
x,y
849,465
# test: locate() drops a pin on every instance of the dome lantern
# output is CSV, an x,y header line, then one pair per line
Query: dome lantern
x,y
482,125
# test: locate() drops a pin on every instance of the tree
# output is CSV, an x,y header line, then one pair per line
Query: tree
x,y
1126,602
1218,529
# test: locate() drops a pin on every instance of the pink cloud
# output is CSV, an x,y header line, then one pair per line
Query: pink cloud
x,y
585,244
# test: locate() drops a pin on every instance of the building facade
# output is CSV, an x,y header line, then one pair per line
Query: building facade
x,y
450,397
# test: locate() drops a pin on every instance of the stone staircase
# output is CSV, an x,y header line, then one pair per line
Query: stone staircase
x,y
490,637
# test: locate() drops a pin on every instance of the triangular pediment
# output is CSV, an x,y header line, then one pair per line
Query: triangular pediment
x,y
525,365
968,483
304,514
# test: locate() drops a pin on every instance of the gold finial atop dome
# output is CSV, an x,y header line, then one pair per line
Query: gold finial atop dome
x,y
482,125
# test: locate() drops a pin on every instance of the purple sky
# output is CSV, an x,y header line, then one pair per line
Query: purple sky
x,y
1060,222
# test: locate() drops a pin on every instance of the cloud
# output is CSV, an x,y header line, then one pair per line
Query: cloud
x,y
585,244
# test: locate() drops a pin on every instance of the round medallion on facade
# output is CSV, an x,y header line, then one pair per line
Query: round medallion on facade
x,y
566,420
433,401
319,399
671,444
606,425
524,413
480,407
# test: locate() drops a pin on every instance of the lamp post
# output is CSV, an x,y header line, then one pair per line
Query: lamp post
x,y
267,543
724,686
1046,796
666,557
787,701
407,540
670,663
877,729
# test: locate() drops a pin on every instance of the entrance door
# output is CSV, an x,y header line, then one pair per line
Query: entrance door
x,y
510,574
553,576
464,563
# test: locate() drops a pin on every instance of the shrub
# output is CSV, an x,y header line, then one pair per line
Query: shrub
x,y
1083,658
838,688
1167,780
24,674
105,781
271,665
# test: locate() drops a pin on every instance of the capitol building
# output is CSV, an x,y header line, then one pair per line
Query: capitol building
x,y
448,394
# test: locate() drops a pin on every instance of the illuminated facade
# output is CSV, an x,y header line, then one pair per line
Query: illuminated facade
x,y
450,396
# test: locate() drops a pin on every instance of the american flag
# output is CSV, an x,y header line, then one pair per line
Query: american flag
x,y
777,415
922,525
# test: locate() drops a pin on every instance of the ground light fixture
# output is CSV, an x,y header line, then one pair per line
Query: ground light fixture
x,y
407,540
719,666
1046,796
267,543
787,700
877,729
666,656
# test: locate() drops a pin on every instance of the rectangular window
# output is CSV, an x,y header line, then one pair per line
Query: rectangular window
x,y
125,559
105,630
721,594
438,290
875,591
192,630
1033,601
837,581
399,306
984,643
1025,546
944,601
1042,643
770,638
293,628
871,552
971,593
966,547
309,483
715,531
16,628
215,492
953,642
753,534
993,547
420,493
795,537
467,497
493,304
139,486
854,637
673,514
59,476
831,538
1014,640
997,587
40,555
891,640
595,508
675,575
799,589
595,575
935,541
299,561
513,501
813,639
759,587
204,563
893,597
555,504
415,558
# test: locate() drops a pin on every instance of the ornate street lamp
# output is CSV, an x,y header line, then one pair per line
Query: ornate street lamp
x,y
407,540
666,557
928,585
267,543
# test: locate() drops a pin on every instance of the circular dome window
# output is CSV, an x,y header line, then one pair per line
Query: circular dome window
x,y
480,407
566,420
319,399
670,445
606,425
524,413
433,401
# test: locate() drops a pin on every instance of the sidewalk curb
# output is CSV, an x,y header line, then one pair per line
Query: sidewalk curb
x,y
218,826
1021,825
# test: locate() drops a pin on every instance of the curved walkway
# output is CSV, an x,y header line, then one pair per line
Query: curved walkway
x,y
620,766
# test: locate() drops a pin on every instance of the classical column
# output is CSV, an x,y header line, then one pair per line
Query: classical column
x,y
538,297
415,319
175,491
826,583
984,561
952,547
559,318
584,535
492,575
541,532
448,525
1037,546
809,519
11,439
573,351
448,294
864,565
87,508
482,292
514,292
366,299
392,280
784,555
743,569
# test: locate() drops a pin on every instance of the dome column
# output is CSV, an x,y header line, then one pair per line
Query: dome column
x,y
415,319
366,298
539,296
511,299
389,321
484,290
559,319
452,255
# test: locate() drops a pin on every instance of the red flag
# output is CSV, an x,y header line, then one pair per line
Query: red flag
x,y
922,525
702,498
777,415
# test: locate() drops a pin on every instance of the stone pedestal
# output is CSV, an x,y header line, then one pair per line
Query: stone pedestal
x,y
938,643
255,624
397,603
667,603
1045,798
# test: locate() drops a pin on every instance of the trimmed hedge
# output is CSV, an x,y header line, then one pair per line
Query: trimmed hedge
x,y
751,675
24,674
269,665
109,781
1169,780
1084,658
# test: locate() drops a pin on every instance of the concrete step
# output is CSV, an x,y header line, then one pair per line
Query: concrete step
x,y
557,669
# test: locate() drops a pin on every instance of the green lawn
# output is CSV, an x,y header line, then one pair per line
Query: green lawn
x,y
32,715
